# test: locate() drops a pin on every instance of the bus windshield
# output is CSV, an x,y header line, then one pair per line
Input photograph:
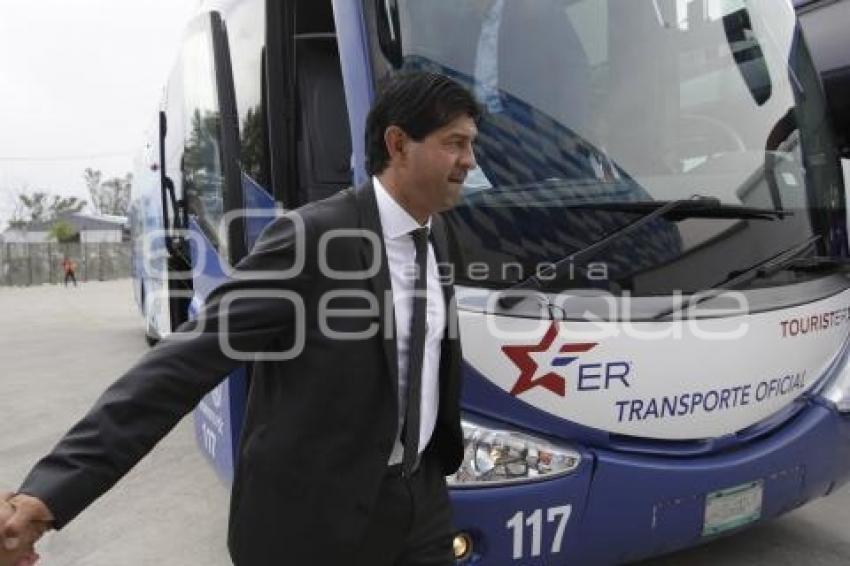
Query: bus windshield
x,y
609,102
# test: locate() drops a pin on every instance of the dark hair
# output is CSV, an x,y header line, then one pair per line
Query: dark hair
x,y
417,102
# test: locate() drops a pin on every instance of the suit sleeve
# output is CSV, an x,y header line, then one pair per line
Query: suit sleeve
x,y
144,404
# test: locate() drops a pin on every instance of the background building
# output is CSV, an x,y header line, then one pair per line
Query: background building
x,y
87,228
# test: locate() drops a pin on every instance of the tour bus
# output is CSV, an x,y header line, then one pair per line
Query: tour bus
x,y
649,257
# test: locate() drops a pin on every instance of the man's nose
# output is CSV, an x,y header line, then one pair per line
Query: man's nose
x,y
467,159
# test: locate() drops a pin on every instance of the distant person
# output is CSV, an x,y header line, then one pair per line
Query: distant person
x,y
69,267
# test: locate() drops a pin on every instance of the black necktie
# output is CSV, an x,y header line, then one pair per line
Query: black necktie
x,y
416,352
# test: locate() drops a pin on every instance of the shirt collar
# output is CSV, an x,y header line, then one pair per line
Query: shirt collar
x,y
395,220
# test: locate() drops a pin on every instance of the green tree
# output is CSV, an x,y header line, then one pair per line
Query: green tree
x,y
63,232
33,206
18,218
41,206
116,193
93,178
253,146
201,162
64,205
111,196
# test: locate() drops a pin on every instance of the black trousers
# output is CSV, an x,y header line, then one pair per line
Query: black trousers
x,y
412,521
70,275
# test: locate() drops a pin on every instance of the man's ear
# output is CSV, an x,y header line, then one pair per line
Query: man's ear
x,y
396,141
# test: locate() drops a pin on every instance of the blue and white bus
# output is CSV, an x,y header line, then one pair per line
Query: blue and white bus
x,y
649,257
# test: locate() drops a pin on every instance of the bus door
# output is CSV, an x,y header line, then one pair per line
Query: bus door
x,y
264,129
304,71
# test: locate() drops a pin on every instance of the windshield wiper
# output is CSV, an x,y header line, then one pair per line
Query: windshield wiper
x,y
790,259
695,206
785,260
705,207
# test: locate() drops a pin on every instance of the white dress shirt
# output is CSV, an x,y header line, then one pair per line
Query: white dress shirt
x,y
396,225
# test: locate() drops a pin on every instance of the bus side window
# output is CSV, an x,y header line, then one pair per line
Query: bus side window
x,y
244,19
201,165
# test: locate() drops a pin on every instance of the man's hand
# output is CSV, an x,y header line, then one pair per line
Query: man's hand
x,y
23,520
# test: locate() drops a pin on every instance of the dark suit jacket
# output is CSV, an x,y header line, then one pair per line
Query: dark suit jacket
x,y
318,429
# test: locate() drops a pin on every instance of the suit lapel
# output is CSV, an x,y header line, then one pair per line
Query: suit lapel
x,y
380,284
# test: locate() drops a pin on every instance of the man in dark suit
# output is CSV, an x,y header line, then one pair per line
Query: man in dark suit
x,y
353,416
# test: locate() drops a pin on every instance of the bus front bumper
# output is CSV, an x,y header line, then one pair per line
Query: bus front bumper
x,y
620,507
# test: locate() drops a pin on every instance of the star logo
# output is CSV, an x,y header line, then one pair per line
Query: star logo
x,y
529,359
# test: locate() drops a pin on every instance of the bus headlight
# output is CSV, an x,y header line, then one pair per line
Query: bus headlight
x,y
493,456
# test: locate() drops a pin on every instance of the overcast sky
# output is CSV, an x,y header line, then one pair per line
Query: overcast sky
x,y
79,84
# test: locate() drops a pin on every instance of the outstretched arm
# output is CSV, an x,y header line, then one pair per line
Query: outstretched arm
x,y
144,404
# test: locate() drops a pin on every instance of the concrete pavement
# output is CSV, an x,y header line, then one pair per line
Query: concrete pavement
x,y
59,348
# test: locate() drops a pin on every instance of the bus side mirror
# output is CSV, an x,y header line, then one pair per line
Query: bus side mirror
x,y
389,31
748,55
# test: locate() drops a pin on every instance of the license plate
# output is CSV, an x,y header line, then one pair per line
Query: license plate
x,y
730,508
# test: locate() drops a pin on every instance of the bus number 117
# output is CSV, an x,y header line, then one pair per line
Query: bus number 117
x,y
535,522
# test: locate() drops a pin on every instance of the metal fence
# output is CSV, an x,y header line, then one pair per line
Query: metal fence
x,y
38,263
